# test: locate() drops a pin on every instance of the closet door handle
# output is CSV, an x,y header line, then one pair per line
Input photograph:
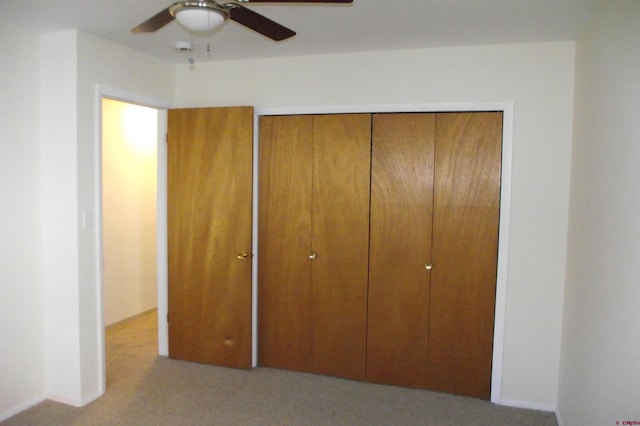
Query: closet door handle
x,y
313,256
428,266
243,256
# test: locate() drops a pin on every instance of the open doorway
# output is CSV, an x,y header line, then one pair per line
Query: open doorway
x,y
129,224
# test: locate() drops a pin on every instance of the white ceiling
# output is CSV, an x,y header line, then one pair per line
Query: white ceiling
x,y
365,25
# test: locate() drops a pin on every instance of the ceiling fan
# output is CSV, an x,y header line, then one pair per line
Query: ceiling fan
x,y
203,16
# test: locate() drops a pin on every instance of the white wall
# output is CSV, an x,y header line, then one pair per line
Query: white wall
x,y
600,369
538,78
129,169
74,66
60,223
22,360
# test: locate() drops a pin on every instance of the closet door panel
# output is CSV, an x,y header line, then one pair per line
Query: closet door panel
x,y
340,229
284,271
399,283
465,249
210,219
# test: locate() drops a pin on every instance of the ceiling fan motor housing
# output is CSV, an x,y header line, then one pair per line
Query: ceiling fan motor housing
x,y
213,6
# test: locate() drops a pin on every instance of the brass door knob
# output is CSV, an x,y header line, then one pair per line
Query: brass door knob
x,y
243,256
312,256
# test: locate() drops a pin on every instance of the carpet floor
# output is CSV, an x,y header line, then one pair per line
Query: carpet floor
x,y
146,389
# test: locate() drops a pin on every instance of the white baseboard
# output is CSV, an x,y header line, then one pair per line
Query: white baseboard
x,y
527,405
74,402
92,397
21,407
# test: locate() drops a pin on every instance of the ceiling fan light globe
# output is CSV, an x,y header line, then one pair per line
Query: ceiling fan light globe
x,y
200,20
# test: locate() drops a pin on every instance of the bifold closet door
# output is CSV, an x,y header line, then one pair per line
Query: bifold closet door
x,y
399,278
340,243
313,242
435,202
209,217
284,267
465,252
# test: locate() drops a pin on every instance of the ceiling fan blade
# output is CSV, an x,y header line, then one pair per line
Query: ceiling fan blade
x,y
154,23
296,1
259,23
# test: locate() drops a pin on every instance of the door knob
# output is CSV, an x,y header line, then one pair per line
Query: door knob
x,y
312,256
243,256
428,266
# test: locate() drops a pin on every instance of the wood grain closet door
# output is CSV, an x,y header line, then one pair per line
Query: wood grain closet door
x,y
209,215
340,239
465,249
284,267
399,283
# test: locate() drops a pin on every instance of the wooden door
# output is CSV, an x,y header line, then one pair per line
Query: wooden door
x,y
284,243
399,281
313,242
209,214
340,243
465,249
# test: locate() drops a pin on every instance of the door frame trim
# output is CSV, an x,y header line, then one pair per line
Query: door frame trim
x,y
162,106
507,108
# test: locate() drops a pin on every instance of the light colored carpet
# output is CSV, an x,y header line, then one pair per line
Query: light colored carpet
x,y
145,389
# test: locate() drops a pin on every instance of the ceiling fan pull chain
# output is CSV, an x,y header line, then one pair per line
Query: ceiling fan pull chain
x,y
191,59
